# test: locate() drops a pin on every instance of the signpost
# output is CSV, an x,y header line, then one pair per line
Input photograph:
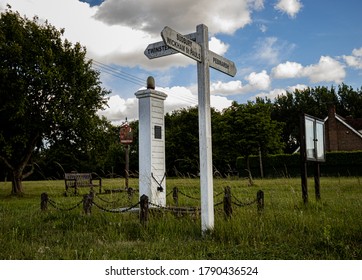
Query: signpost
x,y
126,138
222,64
181,43
200,52
312,146
160,49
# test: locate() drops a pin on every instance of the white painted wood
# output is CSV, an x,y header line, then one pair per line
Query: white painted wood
x,y
222,64
151,151
160,49
205,142
200,52
182,44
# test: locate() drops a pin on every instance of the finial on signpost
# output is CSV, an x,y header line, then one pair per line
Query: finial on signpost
x,y
150,83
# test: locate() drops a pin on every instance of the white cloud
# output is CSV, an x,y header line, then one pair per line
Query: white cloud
x,y
287,70
267,50
291,7
354,60
228,88
271,50
177,97
183,16
124,42
256,81
181,97
280,91
327,69
119,109
218,46
263,28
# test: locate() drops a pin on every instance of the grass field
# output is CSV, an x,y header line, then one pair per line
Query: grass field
x,y
286,229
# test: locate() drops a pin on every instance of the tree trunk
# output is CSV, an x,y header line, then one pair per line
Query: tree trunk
x,y
17,170
250,177
17,184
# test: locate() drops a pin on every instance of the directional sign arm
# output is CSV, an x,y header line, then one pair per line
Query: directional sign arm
x,y
160,49
181,44
222,64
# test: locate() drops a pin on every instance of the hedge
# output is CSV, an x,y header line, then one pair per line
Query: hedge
x,y
288,165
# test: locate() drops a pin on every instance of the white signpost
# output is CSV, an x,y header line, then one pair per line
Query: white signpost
x,y
200,52
160,49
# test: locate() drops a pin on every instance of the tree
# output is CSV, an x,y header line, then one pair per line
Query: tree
x,y
350,101
49,93
249,130
316,102
182,141
288,108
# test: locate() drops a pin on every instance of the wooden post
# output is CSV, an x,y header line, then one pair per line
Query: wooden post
x,y
126,171
44,201
260,200
205,142
227,202
175,196
130,193
87,203
303,160
317,174
144,209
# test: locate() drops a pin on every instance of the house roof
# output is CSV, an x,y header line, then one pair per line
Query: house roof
x,y
355,123
353,128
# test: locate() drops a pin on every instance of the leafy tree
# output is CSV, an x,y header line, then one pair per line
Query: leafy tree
x,y
288,108
248,129
316,102
350,101
49,93
182,141
114,155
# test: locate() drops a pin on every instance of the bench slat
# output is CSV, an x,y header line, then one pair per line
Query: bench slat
x,y
75,180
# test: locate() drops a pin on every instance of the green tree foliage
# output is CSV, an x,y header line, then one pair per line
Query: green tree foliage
x,y
242,129
182,141
248,129
349,101
49,94
316,102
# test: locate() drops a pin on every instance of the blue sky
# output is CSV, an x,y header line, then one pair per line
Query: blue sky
x,y
276,45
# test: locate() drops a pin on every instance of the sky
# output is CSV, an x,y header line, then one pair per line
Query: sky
x,y
276,45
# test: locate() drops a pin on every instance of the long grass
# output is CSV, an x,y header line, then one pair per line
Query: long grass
x,y
286,229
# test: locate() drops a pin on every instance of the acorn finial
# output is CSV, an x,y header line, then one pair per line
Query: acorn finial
x,y
150,83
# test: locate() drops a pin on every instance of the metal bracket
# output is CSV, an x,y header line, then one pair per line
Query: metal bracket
x,y
159,188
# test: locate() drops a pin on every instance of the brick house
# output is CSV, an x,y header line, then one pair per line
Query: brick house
x,y
342,134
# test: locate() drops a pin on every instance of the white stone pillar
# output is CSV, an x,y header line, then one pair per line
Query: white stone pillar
x,y
152,167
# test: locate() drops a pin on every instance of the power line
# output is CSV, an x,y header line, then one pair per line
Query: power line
x,y
118,71
118,74
135,80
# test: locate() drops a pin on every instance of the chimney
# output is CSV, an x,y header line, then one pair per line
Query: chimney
x,y
332,129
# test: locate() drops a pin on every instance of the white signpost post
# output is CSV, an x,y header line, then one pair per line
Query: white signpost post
x,y
174,42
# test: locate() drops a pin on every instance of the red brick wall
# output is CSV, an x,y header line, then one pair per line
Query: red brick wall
x,y
340,138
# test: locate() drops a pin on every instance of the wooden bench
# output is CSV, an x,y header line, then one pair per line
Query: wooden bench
x,y
76,180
